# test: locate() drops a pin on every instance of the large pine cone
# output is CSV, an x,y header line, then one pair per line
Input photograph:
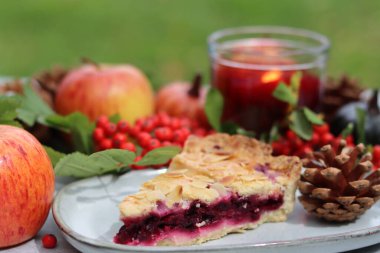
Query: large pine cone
x,y
339,186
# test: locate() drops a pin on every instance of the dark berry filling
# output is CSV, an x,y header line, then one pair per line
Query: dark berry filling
x,y
236,209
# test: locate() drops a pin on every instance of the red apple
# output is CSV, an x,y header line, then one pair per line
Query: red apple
x,y
105,90
26,185
183,99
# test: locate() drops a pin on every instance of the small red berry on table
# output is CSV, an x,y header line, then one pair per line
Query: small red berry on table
x,y
49,241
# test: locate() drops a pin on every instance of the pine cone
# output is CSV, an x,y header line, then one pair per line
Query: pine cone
x,y
338,186
48,82
12,86
338,93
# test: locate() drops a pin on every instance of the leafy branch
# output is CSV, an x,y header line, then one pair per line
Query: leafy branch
x,y
80,165
29,108
301,119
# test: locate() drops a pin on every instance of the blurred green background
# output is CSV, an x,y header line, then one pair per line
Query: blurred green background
x,y
167,38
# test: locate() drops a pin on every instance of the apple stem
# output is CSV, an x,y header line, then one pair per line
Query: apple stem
x,y
87,60
194,90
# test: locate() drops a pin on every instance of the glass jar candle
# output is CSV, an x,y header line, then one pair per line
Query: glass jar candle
x,y
249,62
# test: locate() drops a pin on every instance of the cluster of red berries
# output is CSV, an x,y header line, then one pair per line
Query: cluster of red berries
x,y
147,133
291,144
109,135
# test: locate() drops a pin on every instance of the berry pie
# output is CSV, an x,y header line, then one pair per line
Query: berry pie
x,y
218,185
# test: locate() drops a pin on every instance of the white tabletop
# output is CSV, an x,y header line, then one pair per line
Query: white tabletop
x,y
35,246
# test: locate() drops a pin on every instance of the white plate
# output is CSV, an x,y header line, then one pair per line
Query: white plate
x,y
86,212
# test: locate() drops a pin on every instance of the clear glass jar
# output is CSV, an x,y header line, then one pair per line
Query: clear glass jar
x,y
249,62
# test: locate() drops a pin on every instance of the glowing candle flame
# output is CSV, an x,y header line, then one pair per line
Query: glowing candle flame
x,y
271,76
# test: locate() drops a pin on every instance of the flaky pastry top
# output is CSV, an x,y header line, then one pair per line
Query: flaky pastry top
x,y
212,168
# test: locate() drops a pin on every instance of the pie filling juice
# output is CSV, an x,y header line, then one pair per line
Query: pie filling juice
x,y
195,219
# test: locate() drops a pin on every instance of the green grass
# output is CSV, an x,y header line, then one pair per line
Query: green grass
x,y
167,38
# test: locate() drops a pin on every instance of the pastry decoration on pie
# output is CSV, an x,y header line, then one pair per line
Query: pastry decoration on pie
x,y
219,184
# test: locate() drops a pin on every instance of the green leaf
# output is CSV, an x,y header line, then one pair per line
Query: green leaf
x,y
54,155
285,94
79,126
244,132
229,127
159,156
123,157
361,117
9,104
295,82
347,130
115,118
274,133
33,108
312,117
8,107
11,123
301,125
80,165
214,108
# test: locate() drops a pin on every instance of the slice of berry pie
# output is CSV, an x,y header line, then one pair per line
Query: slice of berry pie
x,y
218,184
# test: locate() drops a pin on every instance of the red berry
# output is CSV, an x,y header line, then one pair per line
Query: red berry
x,y
322,129
144,139
105,144
290,135
163,119
194,124
148,125
98,134
128,146
286,150
306,150
135,130
153,144
376,153
175,123
110,130
118,139
327,138
315,140
200,132
179,137
139,122
137,167
163,134
296,142
350,140
276,148
166,143
186,131
123,126
49,241
102,122
185,122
